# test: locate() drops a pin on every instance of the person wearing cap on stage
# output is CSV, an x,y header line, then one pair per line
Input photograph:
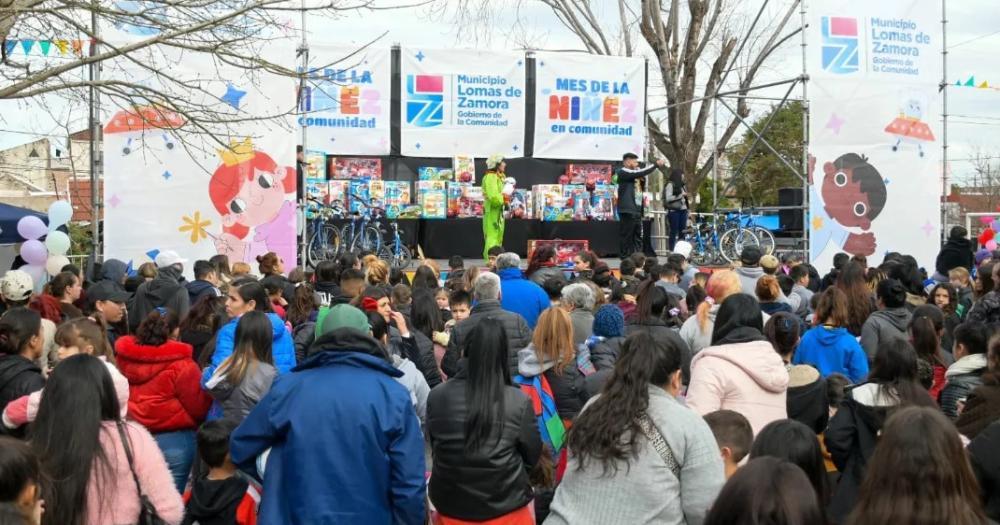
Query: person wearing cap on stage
x,y
493,203
631,179
166,290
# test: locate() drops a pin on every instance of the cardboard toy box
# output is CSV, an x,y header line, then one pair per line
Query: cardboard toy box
x,y
355,168
577,199
464,200
432,197
604,203
433,173
318,189
520,205
465,169
588,174
397,197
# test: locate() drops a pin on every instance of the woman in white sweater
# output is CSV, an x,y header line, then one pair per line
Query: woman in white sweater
x,y
664,468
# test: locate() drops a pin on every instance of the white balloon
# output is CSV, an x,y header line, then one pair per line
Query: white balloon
x,y
55,264
60,212
57,243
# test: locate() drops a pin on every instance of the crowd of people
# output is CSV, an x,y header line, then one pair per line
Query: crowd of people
x,y
515,393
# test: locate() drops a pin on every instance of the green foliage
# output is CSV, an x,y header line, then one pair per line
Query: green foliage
x,y
80,239
764,174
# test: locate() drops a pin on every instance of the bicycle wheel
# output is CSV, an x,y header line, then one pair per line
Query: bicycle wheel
x,y
399,261
733,241
766,238
324,245
370,240
703,253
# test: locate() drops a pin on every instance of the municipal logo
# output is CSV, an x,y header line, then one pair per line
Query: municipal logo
x,y
425,100
840,44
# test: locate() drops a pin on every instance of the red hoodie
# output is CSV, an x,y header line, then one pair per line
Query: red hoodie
x,y
165,385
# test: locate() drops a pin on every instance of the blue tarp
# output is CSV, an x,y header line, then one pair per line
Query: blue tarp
x,y
9,215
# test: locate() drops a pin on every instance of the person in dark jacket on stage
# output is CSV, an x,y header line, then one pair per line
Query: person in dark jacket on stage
x,y
345,443
631,180
956,253
854,430
483,434
487,296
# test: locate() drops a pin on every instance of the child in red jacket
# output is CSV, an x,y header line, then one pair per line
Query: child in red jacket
x,y
223,496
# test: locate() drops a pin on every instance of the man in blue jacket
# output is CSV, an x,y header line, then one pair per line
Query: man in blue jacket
x,y
517,294
345,443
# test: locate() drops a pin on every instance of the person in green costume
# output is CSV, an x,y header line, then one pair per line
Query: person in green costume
x,y
493,202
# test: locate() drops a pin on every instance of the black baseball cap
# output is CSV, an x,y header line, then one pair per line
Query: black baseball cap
x,y
750,256
107,291
629,155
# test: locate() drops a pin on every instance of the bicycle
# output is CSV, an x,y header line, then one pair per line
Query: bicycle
x,y
704,242
735,238
764,235
395,253
358,239
324,237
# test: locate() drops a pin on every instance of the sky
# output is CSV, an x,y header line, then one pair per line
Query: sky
x,y
973,37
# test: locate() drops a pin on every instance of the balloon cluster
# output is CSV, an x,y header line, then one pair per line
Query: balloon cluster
x,y
48,256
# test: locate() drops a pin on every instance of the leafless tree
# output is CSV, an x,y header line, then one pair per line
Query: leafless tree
x,y
692,43
155,37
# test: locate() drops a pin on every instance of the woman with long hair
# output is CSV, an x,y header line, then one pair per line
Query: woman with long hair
x,y
424,278
21,341
78,435
945,297
986,307
794,442
925,331
246,375
657,313
675,201
419,346
919,473
853,431
483,436
740,371
697,329
247,295
66,287
542,265
806,397
82,335
828,346
982,406
768,293
304,307
860,301
552,355
767,490
636,454
164,391
202,322
377,273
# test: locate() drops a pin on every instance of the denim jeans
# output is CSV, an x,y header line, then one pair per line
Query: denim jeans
x,y
178,449
678,222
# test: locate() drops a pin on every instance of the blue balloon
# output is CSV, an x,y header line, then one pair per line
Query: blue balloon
x,y
60,212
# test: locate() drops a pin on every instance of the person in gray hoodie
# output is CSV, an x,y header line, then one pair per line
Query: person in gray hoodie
x,y
890,321
246,376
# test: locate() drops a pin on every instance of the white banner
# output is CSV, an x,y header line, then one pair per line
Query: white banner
x,y
346,102
170,185
464,102
875,129
588,106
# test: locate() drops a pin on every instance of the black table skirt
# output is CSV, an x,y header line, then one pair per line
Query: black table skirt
x,y
443,238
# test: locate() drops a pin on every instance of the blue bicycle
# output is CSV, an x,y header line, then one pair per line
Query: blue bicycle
x,y
324,237
361,235
395,253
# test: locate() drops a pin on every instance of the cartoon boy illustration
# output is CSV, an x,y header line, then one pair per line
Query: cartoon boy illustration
x,y
249,191
852,195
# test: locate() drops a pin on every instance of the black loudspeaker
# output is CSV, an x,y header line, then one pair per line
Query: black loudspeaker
x,y
790,220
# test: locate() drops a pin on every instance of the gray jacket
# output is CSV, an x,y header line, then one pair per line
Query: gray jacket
x,y
748,280
805,296
238,400
583,325
882,326
646,492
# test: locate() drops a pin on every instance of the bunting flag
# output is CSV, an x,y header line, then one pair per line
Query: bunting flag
x,y
27,45
971,82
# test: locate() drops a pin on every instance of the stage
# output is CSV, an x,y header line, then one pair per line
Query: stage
x,y
442,238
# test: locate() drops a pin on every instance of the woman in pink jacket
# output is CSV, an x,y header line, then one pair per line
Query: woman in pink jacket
x,y
96,484
740,371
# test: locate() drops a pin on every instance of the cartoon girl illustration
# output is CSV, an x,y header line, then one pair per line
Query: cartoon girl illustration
x,y
249,191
